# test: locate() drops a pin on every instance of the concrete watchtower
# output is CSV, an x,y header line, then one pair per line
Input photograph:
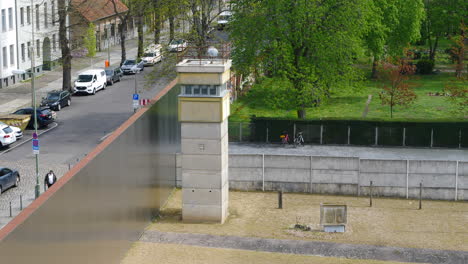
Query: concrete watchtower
x,y
203,111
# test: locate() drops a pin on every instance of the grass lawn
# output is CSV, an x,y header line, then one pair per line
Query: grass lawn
x,y
352,104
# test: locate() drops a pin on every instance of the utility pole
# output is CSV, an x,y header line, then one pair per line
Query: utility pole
x,y
136,92
33,90
33,97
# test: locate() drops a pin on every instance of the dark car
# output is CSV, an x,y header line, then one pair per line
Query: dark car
x,y
44,116
8,178
57,99
132,66
113,75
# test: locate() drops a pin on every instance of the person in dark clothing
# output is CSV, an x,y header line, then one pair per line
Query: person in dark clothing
x,y
49,179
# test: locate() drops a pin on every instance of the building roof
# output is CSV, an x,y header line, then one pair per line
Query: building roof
x,y
93,10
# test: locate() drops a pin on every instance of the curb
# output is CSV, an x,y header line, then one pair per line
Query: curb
x,y
24,140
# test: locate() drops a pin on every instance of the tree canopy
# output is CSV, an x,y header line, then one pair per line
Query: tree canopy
x,y
310,45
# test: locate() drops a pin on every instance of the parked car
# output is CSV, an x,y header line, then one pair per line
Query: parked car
x,y
113,75
223,19
152,55
177,45
44,116
57,99
8,178
132,66
7,136
18,132
90,82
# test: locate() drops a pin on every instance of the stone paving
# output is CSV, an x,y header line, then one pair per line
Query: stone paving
x,y
27,169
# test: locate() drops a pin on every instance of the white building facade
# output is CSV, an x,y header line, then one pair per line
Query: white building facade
x,y
8,61
32,29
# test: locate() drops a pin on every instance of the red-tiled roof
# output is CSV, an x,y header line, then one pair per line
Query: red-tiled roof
x,y
93,10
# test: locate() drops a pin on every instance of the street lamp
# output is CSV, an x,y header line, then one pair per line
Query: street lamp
x,y
33,91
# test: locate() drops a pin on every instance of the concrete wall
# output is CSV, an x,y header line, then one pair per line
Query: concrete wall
x,y
101,206
445,180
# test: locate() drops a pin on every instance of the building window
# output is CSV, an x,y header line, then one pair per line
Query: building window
x,y
46,24
37,17
22,16
28,14
38,48
10,17
54,43
112,30
53,12
105,33
29,49
4,26
5,57
203,90
23,54
12,54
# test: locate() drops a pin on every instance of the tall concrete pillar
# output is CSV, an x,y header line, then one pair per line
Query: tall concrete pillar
x,y
203,113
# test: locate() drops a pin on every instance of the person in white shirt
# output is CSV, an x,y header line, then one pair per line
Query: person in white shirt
x,y
49,179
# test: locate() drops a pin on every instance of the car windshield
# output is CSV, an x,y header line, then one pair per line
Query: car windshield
x,y
85,78
148,55
176,42
109,72
224,17
53,96
129,62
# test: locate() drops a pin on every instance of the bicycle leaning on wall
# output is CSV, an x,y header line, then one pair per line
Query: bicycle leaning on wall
x,y
284,138
298,140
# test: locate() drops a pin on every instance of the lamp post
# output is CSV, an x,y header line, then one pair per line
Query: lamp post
x,y
33,95
33,92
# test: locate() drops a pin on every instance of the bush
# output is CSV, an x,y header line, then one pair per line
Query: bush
x,y
425,66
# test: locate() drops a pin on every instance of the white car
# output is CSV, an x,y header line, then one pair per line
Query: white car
x,y
90,82
223,19
17,130
152,55
177,45
7,136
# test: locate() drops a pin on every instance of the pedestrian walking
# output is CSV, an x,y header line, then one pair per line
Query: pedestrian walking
x,y
49,179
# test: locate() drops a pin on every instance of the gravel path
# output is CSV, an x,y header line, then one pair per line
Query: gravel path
x,y
353,251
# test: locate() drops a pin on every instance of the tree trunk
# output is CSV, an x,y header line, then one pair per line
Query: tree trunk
x,y
461,54
140,36
64,46
157,21
123,33
374,68
157,27
433,49
171,27
301,113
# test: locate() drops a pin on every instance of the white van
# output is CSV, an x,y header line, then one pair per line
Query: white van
x,y
90,82
152,55
223,19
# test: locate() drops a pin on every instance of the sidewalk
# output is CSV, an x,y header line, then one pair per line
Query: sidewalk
x,y
19,95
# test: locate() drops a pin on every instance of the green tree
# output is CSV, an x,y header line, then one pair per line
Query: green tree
x,y
443,18
310,45
90,40
393,24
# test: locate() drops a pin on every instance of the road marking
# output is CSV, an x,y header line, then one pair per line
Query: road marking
x,y
24,141
106,136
